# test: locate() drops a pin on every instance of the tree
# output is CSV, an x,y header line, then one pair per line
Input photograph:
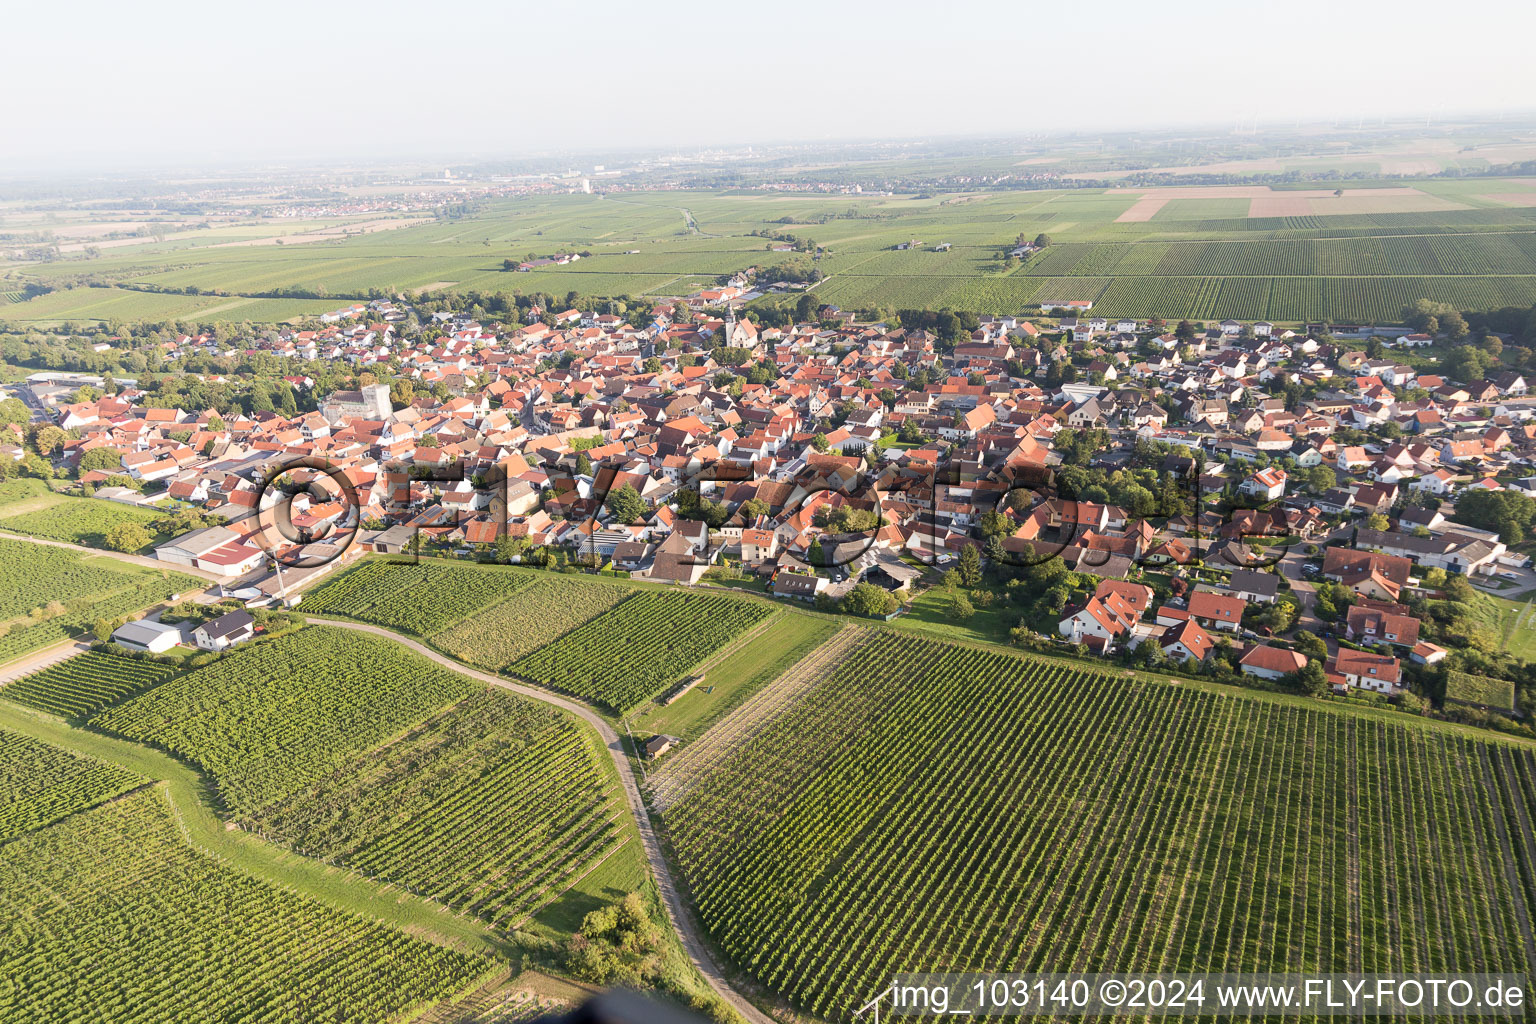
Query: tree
x,y
1453,326
14,412
583,464
1509,512
869,600
805,308
625,505
1310,645
127,537
1042,240
509,547
100,458
49,440
616,944
754,507
1320,478
1467,364
1377,521
819,442
970,566
959,607
1310,679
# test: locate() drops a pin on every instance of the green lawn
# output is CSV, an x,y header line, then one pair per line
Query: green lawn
x,y
741,673
1513,620
929,614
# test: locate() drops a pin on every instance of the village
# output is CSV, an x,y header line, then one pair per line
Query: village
x,y
1270,496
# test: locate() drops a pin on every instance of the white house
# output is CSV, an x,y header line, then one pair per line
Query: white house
x,y
225,631
1367,671
1102,618
1271,662
1266,484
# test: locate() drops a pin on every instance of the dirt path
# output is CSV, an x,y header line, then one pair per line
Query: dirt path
x,y
683,771
29,663
686,929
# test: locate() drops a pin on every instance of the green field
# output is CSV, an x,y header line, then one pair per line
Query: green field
x,y
628,655
276,716
1203,257
530,618
736,676
417,597
83,521
112,915
492,807
40,784
81,686
934,806
50,594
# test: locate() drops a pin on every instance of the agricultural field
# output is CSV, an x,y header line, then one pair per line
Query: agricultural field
x,y
932,805
630,654
532,617
1468,242
493,807
83,521
113,916
737,676
49,594
274,717
42,784
416,597
81,686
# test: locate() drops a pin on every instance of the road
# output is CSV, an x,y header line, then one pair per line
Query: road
x,y
671,900
1305,591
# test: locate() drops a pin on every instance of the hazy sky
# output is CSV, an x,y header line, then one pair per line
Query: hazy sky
x,y
111,85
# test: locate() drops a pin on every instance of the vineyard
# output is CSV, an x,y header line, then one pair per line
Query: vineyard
x,y
417,597
50,594
530,618
1445,239
42,784
273,717
110,916
85,684
79,521
628,655
492,807
35,575
931,806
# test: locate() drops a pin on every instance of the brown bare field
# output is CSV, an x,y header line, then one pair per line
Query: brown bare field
x,y
1143,209
1511,198
436,285
1281,205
